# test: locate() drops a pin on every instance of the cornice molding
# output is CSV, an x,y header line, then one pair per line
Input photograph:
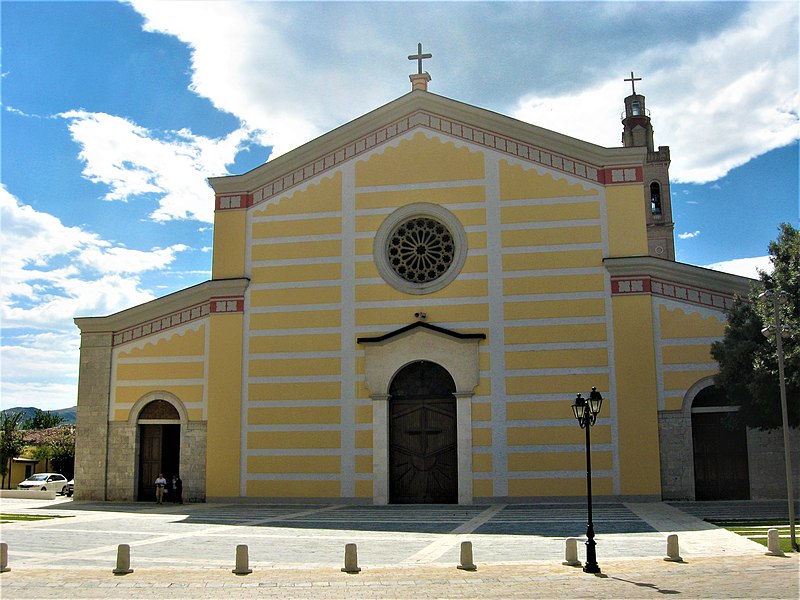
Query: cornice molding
x,y
506,135
210,297
675,281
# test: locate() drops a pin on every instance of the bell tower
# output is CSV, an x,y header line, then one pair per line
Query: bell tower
x,y
637,132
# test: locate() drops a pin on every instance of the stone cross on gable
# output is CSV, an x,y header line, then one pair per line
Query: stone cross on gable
x,y
633,81
419,56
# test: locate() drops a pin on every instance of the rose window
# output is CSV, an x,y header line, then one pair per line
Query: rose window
x,y
420,249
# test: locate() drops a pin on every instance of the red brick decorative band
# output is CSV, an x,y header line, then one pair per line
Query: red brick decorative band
x,y
623,285
621,175
217,305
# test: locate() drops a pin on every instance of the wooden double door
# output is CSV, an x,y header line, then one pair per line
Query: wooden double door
x,y
159,452
423,456
721,469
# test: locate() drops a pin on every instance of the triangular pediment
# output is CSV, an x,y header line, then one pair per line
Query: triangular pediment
x,y
436,115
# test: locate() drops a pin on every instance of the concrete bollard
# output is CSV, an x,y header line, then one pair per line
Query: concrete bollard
x,y
4,557
774,543
242,560
571,553
123,560
673,553
466,557
350,559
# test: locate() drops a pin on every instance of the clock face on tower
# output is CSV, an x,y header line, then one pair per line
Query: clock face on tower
x,y
420,248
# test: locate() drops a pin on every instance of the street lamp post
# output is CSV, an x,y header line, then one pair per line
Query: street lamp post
x,y
777,299
586,414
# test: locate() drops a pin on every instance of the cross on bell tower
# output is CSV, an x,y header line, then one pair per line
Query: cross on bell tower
x,y
637,130
420,79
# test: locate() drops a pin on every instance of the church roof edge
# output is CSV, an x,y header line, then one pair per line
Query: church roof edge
x,y
429,102
174,302
678,271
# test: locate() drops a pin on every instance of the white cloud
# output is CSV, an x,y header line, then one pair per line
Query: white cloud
x,y
133,161
717,99
40,369
717,103
689,235
45,395
52,273
746,267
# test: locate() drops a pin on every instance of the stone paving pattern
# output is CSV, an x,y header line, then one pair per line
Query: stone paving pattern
x,y
296,551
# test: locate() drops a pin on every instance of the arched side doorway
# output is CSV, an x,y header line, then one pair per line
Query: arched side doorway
x,y
721,469
159,445
423,449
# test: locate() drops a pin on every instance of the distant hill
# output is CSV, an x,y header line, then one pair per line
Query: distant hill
x,y
68,414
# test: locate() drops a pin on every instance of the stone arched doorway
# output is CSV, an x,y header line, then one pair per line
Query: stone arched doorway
x,y
719,443
159,447
423,449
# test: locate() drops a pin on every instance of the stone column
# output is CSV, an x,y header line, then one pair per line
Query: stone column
x,y
94,385
380,449
464,441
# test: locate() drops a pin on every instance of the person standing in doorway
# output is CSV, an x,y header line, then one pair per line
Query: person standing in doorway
x,y
176,489
161,483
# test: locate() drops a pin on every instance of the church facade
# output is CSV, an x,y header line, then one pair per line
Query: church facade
x,y
403,311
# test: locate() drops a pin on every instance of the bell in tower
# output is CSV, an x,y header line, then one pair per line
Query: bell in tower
x,y
637,132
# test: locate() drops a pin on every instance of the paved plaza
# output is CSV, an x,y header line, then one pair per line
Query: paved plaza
x,y
297,551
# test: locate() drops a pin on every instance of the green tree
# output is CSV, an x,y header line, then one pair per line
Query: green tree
x,y
11,442
42,419
747,358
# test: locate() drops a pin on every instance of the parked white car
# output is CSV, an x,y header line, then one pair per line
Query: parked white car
x,y
44,482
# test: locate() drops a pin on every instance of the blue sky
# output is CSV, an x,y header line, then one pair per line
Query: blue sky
x,y
114,114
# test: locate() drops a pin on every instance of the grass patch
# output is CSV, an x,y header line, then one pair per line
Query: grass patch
x,y
7,517
756,530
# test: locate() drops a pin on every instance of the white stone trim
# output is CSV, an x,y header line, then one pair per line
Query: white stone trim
x,y
383,360
133,416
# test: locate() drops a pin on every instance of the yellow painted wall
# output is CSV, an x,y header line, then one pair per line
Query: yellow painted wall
x,y
677,323
636,401
224,405
228,260
627,228
517,182
550,486
420,159
293,489
171,361
176,343
558,461
155,370
128,394
685,361
673,355
548,236
446,195
325,196
294,464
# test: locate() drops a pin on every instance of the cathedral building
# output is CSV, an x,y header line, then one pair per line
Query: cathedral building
x,y
403,311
